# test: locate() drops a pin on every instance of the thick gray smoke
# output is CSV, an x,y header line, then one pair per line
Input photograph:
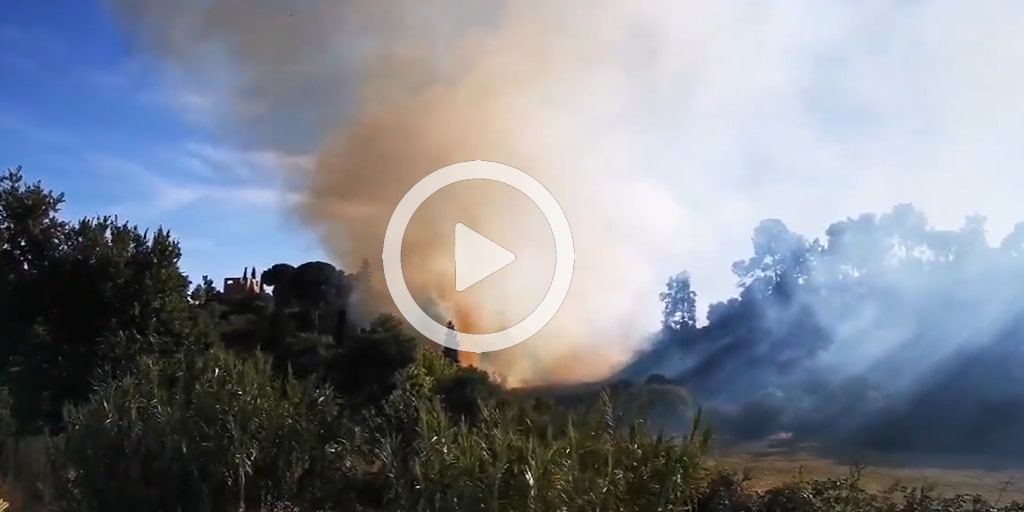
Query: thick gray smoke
x,y
668,129
887,330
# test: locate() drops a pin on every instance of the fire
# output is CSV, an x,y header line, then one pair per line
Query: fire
x,y
464,322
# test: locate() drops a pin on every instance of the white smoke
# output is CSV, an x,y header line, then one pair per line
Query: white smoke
x,y
678,124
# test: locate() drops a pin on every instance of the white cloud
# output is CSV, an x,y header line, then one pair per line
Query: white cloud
x,y
259,163
158,189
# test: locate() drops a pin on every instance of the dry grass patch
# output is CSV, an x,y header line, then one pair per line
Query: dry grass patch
x,y
946,475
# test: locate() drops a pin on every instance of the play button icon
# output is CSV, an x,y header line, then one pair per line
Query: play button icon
x,y
477,257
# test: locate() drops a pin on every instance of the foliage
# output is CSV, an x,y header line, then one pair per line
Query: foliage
x,y
316,285
679,304
365,369
465,392
201,433
925,316
492,468
70,289
175,399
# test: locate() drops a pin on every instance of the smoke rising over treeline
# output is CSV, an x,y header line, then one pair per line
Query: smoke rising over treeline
x,y
387,93
887,331
666,130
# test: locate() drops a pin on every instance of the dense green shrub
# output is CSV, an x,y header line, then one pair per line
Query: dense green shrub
x,y
201,433
465,392
592,466
365,369
215,432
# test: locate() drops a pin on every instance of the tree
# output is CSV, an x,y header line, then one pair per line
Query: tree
x,y
364,275
1013,244
463,392
365,369
781,261
204,292
720,311
341,326
451,341
680,304
82,300
317,284
279,276
30,234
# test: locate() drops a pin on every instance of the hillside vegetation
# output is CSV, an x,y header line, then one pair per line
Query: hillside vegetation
x,y
127,388
888,335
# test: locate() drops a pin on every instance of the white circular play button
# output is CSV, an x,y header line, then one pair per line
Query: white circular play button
x,y
477,257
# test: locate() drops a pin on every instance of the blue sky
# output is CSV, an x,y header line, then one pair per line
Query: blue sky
x,y
91,117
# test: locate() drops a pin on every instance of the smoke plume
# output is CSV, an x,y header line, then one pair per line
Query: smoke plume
x,y
665,129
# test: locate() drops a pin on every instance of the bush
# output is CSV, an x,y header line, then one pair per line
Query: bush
x,y
366,369
221,432
201,433
465,392
595,465
667,407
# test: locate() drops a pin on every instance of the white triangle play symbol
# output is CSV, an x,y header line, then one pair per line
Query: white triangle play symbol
x,y
476,257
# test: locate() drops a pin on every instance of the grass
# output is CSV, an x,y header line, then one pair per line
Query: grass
x,y
946,475
410,454
767,467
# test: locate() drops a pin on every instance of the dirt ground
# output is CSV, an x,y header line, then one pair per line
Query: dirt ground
x,y
947,475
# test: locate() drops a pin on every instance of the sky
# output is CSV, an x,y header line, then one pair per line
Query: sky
x,y
87,115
